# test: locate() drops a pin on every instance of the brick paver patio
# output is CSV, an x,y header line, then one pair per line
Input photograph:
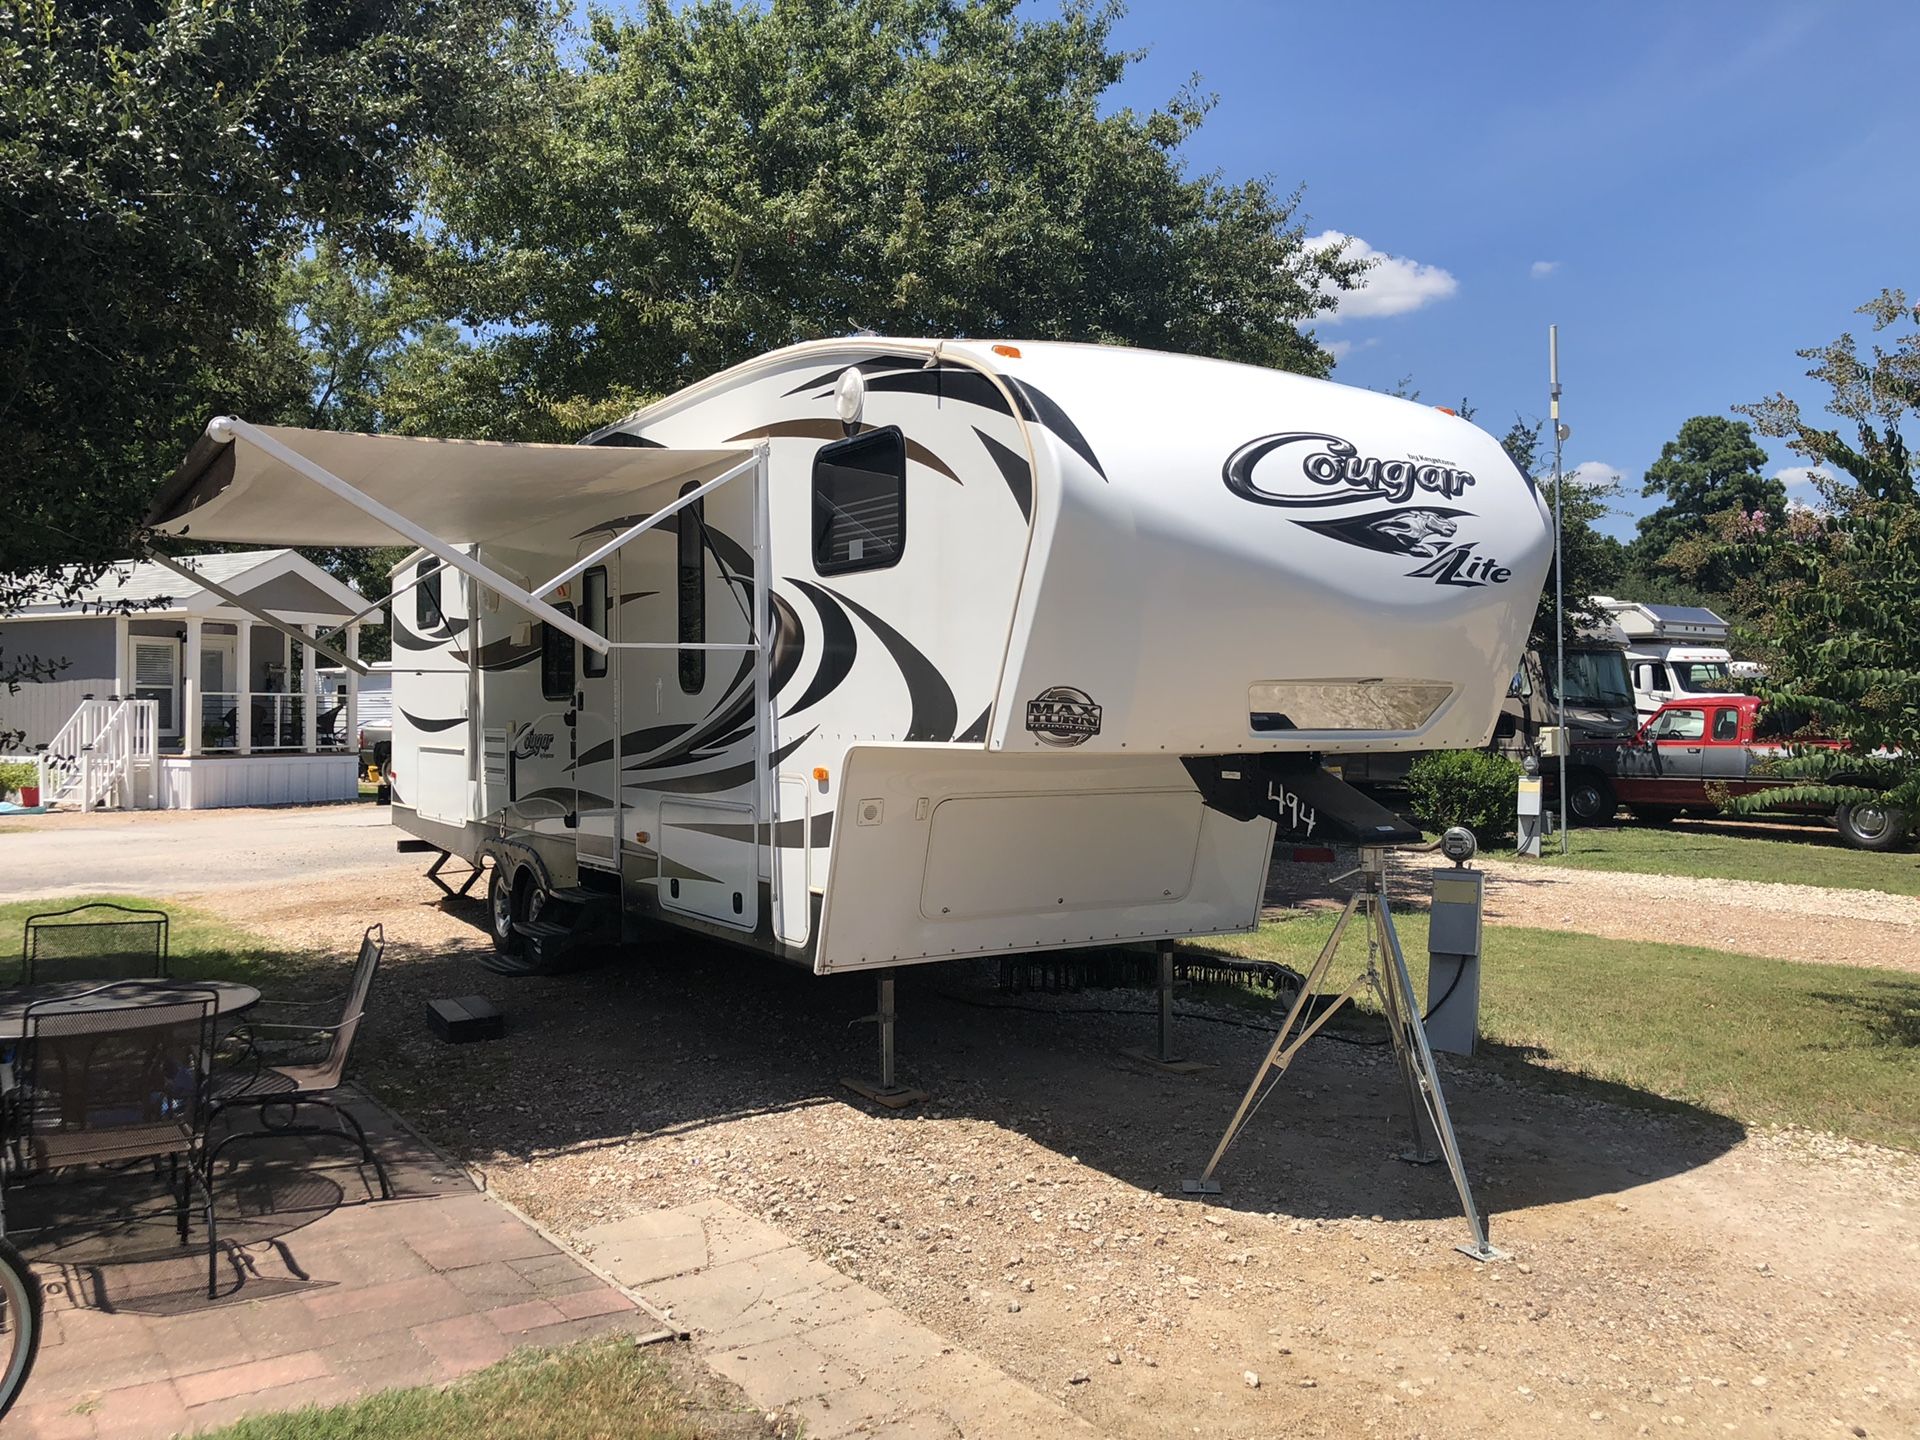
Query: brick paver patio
x,y
326,1293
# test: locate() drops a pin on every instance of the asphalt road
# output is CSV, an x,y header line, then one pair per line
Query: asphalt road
x,y
179,852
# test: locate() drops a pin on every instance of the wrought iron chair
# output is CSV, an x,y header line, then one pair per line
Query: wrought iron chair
x,y
119,943
109,1076
284,1065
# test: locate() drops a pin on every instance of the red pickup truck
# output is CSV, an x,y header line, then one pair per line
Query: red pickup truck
x,y
1690,752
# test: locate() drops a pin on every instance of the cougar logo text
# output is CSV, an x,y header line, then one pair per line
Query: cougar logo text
x,y
1308,469
531,744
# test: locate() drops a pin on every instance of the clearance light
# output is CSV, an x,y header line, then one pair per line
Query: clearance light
x,y
1447,410
1012,352
820,773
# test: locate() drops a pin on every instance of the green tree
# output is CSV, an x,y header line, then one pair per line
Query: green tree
x,y
1712,468
160,163
1593,558
719,179
1843,626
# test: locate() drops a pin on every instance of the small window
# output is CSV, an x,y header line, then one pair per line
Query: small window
x,y
594,615
556,658
1681,725
860,502
1726,723
692,591
427,614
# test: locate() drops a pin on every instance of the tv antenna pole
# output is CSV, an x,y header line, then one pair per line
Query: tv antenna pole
x,y
1560,433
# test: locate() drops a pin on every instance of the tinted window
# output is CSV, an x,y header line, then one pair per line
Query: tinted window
x,y
593,614
556,658
1681,725
692,590
427,614
1726,724
860,502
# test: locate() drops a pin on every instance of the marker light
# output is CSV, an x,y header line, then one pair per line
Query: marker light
x,y
820,773
1012,352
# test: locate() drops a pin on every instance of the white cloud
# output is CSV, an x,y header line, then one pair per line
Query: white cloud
x,y
1799,480
1392,285
1593,474
1341,349
1540,269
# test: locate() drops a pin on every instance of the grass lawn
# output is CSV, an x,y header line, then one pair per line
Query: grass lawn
x,y
200,947
1693,850
597,1391
1765,1041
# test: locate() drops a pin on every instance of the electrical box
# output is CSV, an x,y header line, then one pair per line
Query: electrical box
x,y
1453,959
1527,813
1553,741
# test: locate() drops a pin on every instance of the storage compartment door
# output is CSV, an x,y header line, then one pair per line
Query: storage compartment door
x,y
709,861
440,783
1039,854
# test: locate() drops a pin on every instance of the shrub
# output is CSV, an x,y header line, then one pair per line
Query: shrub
x,y
1464,787
14,774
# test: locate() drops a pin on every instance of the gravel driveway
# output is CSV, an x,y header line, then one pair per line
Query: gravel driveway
x,y
1669,1272
165,852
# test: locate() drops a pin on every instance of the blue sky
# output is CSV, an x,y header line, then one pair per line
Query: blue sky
x,y
1692,191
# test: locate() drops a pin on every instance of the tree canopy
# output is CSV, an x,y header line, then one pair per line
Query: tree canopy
x,y
1593,558
1712,468
719,179
161,164
1843,626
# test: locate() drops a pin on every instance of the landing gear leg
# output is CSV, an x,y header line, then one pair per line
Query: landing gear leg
x,y
1163,1058
889,1092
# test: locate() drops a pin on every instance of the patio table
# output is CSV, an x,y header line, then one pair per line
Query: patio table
x,y
231,996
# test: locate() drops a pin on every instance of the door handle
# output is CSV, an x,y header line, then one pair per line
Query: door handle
x,y
1693,749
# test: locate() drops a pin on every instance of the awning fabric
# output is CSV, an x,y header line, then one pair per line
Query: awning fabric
x,y
464,491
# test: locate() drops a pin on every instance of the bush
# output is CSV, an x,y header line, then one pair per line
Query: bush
x,y
1465,787
15,774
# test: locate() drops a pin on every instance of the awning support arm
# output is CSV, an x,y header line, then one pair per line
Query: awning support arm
x,y
227,428
239,602
586,563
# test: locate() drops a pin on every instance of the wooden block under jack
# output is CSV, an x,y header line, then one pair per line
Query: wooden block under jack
x,y
897,1097
1170,1067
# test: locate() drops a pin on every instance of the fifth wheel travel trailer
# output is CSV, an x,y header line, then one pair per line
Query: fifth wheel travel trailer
x,y
876,652
871,652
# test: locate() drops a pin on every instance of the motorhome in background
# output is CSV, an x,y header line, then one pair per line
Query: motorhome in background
x,y
871,652
1674,652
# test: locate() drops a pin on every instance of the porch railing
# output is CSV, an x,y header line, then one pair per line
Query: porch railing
x,y
270,720
106,754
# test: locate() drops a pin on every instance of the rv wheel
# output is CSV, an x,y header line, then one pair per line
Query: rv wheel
x,y
1590,800
500,910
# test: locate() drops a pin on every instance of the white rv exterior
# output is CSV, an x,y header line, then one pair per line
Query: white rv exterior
x,y
1673,652
1033,613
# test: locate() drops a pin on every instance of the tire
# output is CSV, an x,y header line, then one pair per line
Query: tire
x,y
1590,799
1658,814
1871,826
20,1303
502,910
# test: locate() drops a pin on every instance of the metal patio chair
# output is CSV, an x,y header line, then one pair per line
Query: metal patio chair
x,y
100,941
111,1076
288,1064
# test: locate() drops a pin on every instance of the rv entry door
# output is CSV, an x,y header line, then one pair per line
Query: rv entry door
x,y
596,728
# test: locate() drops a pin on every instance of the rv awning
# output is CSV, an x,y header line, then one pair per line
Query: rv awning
x,y
245,483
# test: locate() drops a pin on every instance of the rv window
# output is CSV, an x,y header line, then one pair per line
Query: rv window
x,y
556,658
593,614
860,502
427,614
693,592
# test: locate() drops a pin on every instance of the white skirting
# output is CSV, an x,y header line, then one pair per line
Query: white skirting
x,y
210,782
